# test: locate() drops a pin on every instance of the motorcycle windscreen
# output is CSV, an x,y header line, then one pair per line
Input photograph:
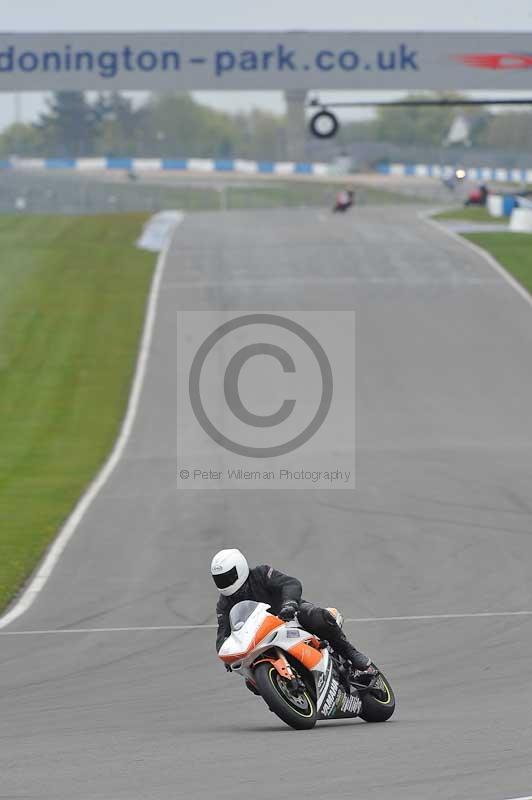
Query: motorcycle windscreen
x,y
240,613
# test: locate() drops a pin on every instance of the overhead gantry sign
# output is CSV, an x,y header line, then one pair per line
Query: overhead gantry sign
x,y
357,60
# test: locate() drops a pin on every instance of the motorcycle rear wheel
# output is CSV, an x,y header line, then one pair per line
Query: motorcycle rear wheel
x,y
375,708
298,711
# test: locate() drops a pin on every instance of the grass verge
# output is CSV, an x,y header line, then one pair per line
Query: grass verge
x,y
471,214
512,250
290,194
72,300
78,195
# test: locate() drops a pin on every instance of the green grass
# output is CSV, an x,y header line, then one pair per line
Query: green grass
x,y
471,214
512,250
72,299
286,195
229,193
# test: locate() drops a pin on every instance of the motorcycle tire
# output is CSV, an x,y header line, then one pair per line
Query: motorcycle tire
x,y
298,712
376,708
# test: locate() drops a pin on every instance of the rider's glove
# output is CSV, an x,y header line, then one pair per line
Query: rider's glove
x,y
288,611
228,667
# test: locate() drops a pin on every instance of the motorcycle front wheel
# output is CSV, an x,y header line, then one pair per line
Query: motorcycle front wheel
x,y
297,710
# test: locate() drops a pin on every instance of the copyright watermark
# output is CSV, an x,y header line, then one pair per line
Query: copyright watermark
x,y
266,399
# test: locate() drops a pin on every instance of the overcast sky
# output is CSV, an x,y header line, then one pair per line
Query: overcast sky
x,y
154,15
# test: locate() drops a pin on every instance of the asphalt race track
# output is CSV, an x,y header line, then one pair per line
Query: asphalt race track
x,y
440,525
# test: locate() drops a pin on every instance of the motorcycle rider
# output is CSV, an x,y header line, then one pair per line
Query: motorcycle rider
x,y
236,582
344,200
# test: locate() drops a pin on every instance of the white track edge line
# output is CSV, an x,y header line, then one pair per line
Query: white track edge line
x,y
528,797
494,264
140,629
421,617
45,569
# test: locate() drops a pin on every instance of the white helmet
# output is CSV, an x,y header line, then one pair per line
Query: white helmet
x,y
229,570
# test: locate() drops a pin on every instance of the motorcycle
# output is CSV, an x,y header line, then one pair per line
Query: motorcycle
x,y
300,678
344,201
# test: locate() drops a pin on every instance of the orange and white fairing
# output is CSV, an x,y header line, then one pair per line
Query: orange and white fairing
x,y
262,631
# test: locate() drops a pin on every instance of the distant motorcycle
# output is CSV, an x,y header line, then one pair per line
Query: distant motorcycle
x,y
301,678
477,197
344,200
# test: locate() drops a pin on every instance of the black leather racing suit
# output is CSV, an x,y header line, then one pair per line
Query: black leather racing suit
x,y
267,585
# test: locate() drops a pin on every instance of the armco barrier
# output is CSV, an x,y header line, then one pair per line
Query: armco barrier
x,y
146,164
493,174
495,205
239,165
521,220
508,204
501,205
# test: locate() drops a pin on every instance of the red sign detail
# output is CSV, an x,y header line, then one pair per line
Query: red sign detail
x,y
496,60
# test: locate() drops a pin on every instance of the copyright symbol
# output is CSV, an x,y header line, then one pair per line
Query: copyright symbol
x,y
231,390
184,474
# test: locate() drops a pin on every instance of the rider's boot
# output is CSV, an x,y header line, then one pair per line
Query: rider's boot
x,y
343,646
358,660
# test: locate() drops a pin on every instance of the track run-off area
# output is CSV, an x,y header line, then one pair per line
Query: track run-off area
x,y
110,688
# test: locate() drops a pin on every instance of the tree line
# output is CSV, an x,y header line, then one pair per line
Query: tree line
x,y
176,125
173,125
430,125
